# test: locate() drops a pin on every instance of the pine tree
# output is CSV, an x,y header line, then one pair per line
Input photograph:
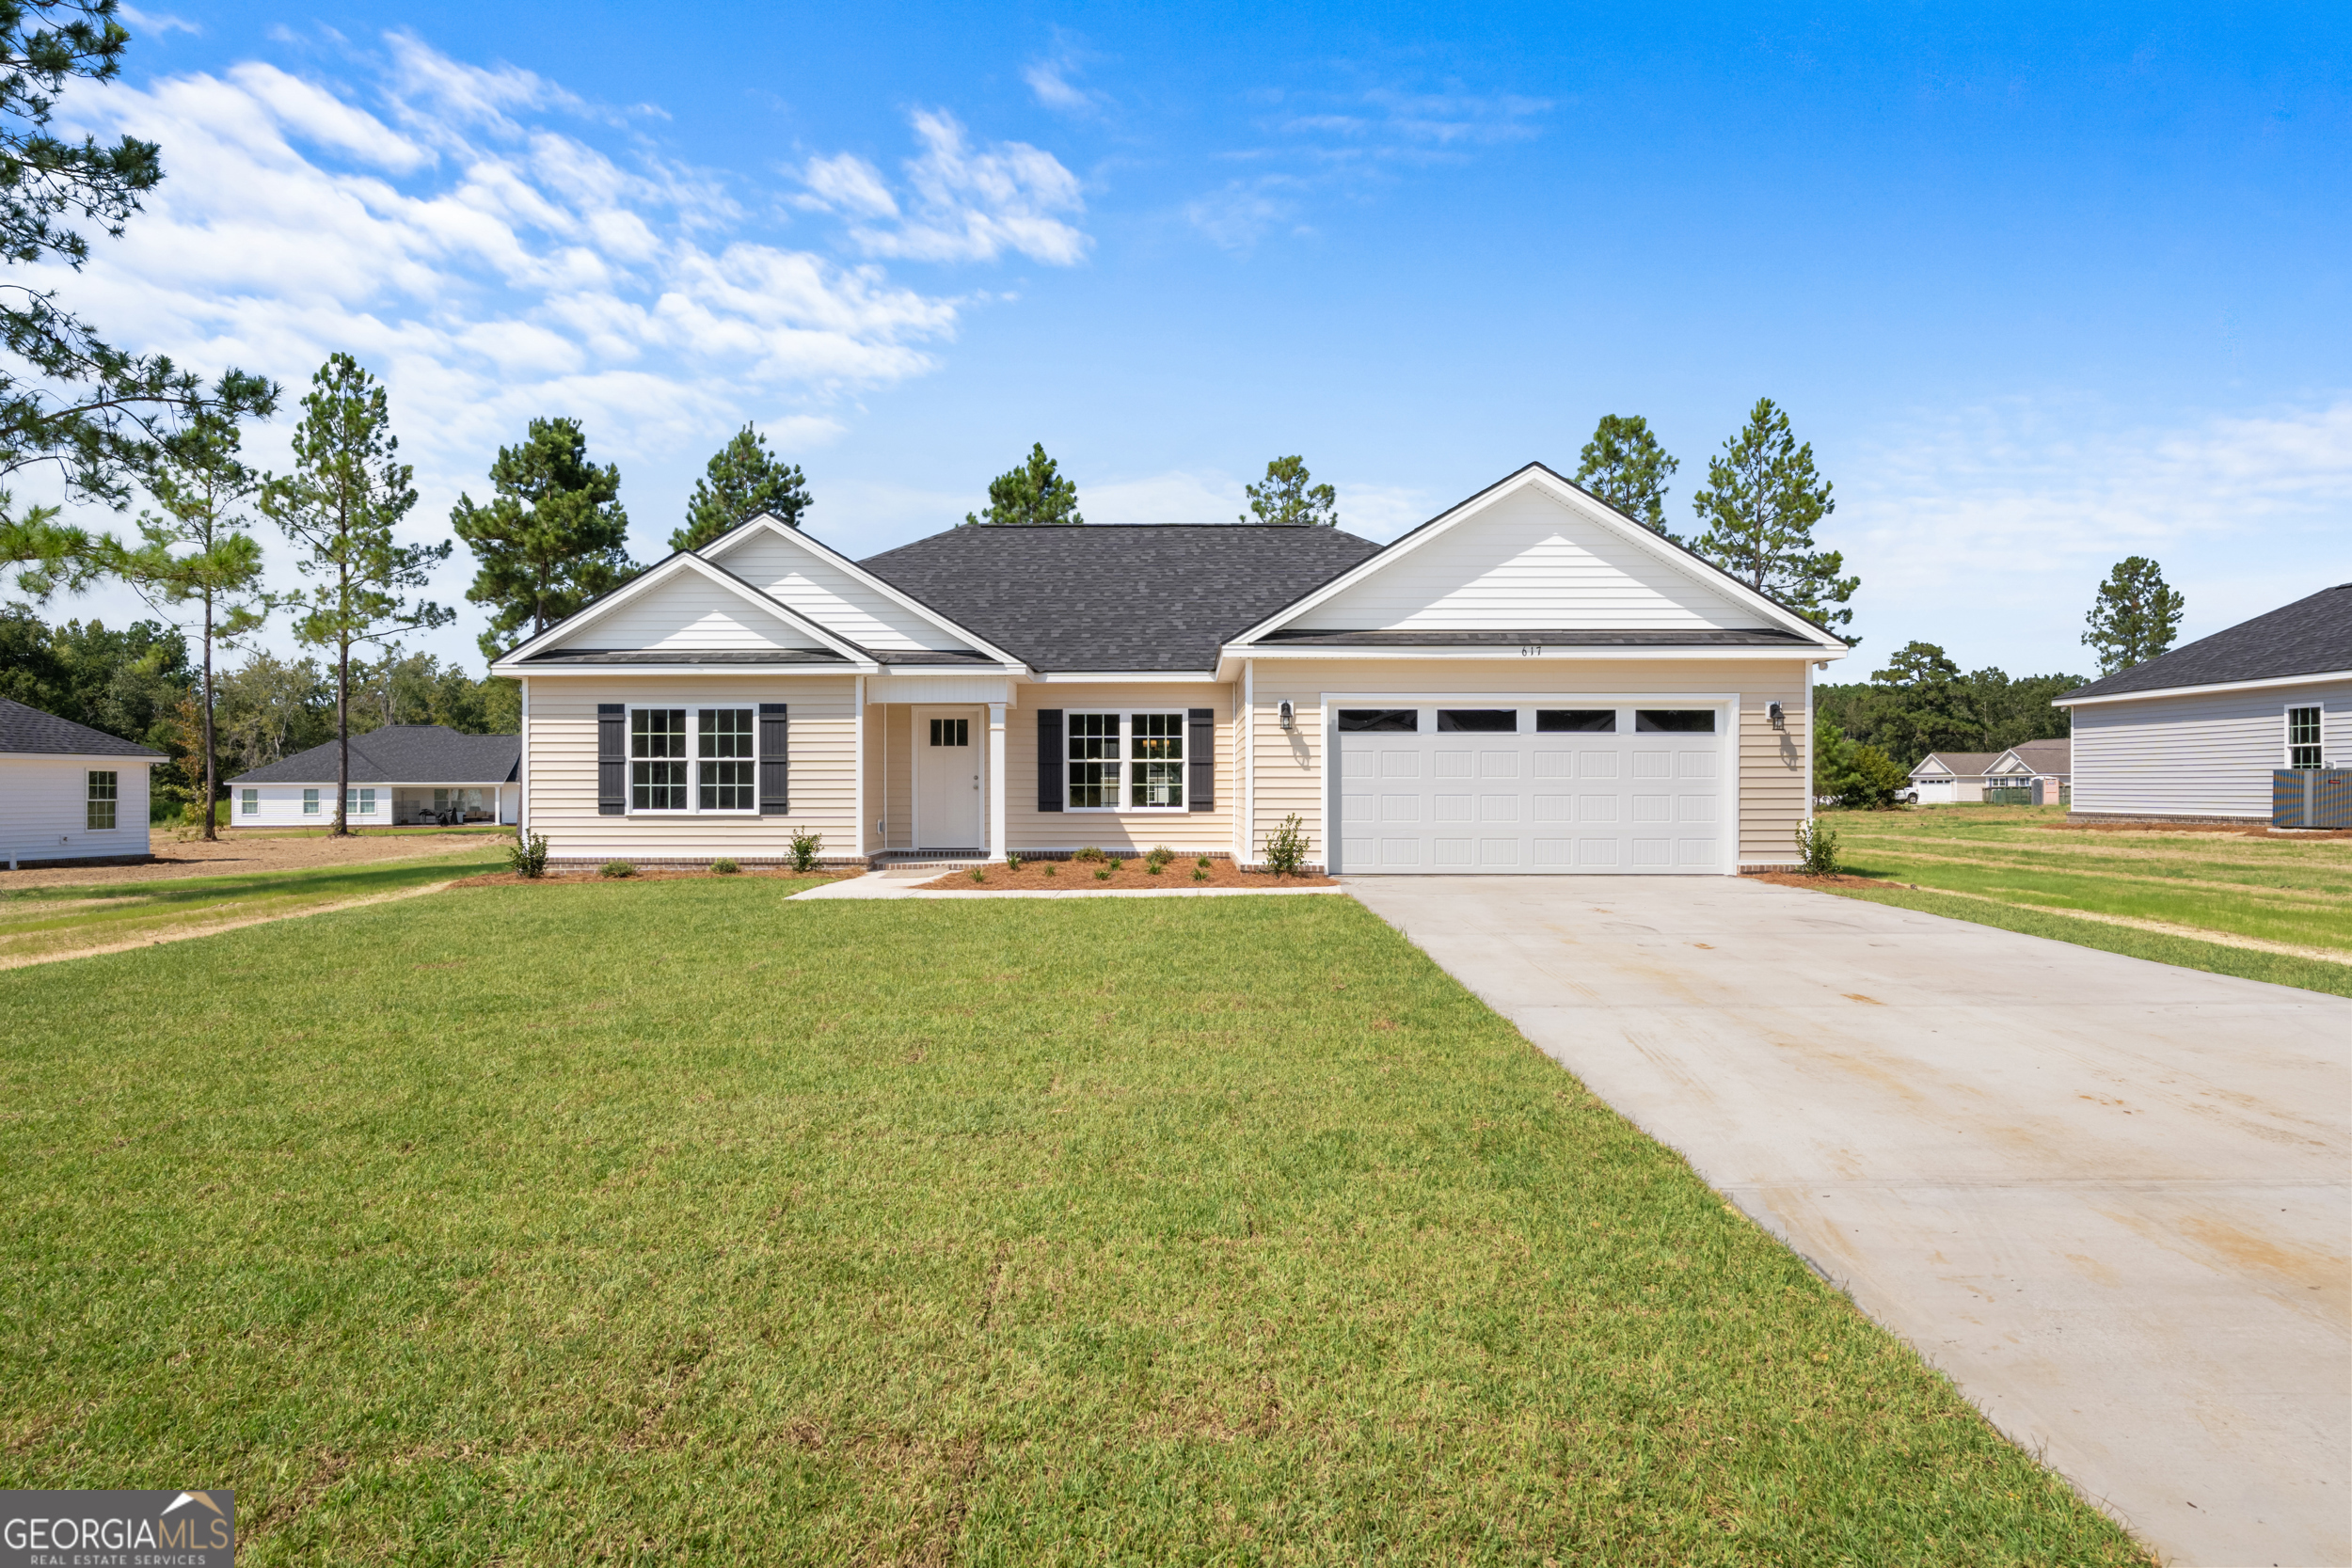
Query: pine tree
x,y
742,481
1760,504
1034,495
553,536
199,556
347,492
1624,465
2134,616
1286,498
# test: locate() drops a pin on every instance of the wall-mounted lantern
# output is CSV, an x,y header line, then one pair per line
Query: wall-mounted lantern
x,y
1288,716
1779,718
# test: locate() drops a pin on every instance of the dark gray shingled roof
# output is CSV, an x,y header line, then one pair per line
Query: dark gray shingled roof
x,y
2310,637
1117,596
403,753
29,732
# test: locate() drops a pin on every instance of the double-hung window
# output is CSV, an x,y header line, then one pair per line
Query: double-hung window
x,y
310,802
2302,737
692,759
1125,761
102,799
359,803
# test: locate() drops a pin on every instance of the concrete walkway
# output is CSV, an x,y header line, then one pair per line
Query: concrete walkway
x,y
2109,1198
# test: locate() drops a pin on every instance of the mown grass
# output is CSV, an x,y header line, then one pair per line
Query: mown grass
x,y
674,1222
2296,892
42,920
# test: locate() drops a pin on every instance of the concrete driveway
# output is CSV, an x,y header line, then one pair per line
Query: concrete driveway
x,y
2108,1197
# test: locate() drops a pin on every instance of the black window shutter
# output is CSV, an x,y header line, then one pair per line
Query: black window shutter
x,y
776,776
1049,759
1201,750
611,759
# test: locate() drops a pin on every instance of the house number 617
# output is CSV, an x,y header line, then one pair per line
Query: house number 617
x,y
1531,650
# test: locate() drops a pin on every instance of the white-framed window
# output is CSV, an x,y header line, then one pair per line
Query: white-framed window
x,y
693,760
360,802
248,802
1127,761
103,790
310,802
2303,738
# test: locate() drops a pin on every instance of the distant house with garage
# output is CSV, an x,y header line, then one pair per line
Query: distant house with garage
x,y
69,792
1948,778
402,776
2196,733
2047,763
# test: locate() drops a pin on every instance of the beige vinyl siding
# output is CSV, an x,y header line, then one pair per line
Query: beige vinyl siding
x,y
1527,561
1773,783
691,611
829,596
563,768
892,725
1193,831
2197,755
44,808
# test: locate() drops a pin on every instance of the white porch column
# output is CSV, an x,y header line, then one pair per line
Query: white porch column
x,y
995,781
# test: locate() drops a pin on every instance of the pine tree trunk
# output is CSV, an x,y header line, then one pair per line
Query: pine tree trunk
x,y
342,739
211,786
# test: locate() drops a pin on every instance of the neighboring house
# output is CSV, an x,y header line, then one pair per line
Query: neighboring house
x,y
1527,683
2194,735
69,792
1943,778
2047,763
402,775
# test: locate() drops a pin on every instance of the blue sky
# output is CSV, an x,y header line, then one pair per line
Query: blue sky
x,y
2043,288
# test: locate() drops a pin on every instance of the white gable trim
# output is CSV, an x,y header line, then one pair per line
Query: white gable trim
x,y
1537,477
682,563
831,557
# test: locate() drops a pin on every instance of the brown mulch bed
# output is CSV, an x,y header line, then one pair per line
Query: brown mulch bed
x,y
655,874
1078,877
1798,879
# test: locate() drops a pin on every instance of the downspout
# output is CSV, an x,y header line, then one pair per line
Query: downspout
x,y
522,775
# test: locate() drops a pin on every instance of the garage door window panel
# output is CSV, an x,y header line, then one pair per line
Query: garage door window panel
x,y
1576,721
1478,720
1674,720
1379,720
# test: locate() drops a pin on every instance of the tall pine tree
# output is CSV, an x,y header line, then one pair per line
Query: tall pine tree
x,y
553,537
1288,497
742,481
1624,465
1761,500
1032,496
348,491
2134,616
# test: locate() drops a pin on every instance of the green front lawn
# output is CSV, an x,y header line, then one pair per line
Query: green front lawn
x,y
674,1221
43,920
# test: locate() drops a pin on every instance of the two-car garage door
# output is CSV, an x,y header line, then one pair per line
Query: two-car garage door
x,y
1598,788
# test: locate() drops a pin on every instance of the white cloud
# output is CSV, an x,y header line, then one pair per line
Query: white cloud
x,y
1050,79
155,23
1241,213
964,204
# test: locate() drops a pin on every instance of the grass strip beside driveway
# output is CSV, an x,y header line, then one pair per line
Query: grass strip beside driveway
x,y
679,1221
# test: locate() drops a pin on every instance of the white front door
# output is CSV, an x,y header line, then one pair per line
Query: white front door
x,y
1601,786
947,797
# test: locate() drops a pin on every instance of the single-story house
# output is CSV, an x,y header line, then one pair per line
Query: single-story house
x,y
2194,735
402,776
69,792
1529,682
2048,763
1943,777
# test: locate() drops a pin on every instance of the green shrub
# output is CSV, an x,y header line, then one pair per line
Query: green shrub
x,y
1161,854
1286,848
1049,868
1012,861
1153,868
528,858
806,846
616,869
1201,872
1203,863
725,867
1103,875
1817,842
1090,853
979,875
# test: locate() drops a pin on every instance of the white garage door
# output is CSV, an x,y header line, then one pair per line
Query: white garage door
x,y
1556,788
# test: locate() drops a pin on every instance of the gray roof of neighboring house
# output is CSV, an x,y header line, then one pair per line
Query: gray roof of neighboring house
x,y
1961,764
2311,637
2050,756
402,753
29,732
1117,596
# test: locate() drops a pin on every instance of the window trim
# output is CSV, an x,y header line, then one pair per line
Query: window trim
x,y
1126,759
694,759
310,802
2318,745
112,799
360,802
248,802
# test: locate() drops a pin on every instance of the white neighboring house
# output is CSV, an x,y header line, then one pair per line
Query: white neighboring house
x,y
69,792
1948,778
2194,735
2047,763
402,776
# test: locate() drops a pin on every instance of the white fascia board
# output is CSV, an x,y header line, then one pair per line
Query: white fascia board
x,y
2201,690
1489,652
83,756
1536,476
832,557
677,566
760,672
1127,678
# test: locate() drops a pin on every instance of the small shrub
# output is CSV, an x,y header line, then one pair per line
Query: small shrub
x,y
1153,867
528,858
1090,853
806,846
1012,861
1049,868
979,875
1818,843
1286,848
1161,854
616,869
725,867
1101,875
1203,863
1200,873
